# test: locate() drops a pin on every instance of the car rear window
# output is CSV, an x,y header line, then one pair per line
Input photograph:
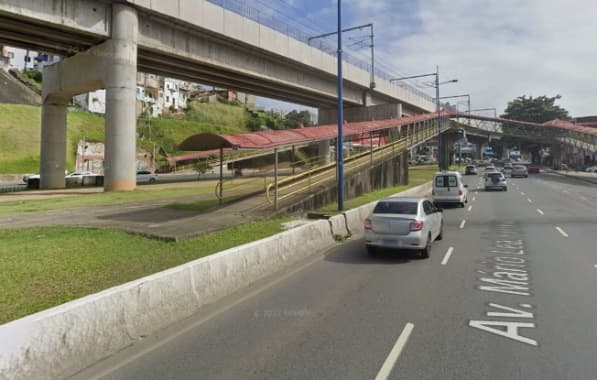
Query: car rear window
x,y
519,167
495,175
446,181
394,207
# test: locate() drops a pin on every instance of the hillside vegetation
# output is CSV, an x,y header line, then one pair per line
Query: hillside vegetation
x,y
20,135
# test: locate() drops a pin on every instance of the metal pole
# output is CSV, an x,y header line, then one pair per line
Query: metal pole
x,y
293,159
439,119
275,178
372,81
339,148
221,174
370,149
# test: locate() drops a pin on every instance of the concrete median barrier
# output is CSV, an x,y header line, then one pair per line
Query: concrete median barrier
x,y
61,341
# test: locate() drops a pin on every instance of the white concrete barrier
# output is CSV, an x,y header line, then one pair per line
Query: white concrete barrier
x,y
338,225
61,341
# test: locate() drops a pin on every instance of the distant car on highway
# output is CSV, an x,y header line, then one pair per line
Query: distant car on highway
x,y
404,223
519,171
490,168
535,169
470,170
145,176
448,187
507,170
495,181
591,169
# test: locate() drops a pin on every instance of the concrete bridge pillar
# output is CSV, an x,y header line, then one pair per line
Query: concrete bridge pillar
x,y
323,149
111,65
120,82
53,147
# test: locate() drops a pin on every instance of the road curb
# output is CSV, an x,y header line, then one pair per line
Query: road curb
x,y
579,178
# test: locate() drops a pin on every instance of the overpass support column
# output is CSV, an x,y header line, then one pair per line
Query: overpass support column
x,y
478,151
53,145
404,167
121,76
323,150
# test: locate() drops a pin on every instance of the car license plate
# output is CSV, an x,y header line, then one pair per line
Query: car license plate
x,y
389,241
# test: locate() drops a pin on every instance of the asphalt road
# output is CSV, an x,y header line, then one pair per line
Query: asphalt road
x,y
514,299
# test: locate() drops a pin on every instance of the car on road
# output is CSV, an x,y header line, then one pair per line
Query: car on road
x,y
535,169
470,170
449,188
507,170
490,168
404,223
519,171
145,176
495,181
591,169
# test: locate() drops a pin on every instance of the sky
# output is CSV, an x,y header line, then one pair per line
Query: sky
x,y
497,49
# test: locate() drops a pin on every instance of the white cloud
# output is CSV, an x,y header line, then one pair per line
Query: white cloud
x,y
501,49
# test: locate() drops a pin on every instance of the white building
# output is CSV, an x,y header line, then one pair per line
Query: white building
x,y
176,94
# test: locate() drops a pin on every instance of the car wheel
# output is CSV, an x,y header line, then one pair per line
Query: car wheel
x,y
505,189
152,180
461,204
371,250
427,250
441,232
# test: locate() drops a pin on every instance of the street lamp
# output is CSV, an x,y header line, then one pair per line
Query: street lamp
x,y
339,144
437,107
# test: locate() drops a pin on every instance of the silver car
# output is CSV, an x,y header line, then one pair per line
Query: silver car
x,y
495,181
519,171
404,223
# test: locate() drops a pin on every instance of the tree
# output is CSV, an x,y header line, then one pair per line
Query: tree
x,y
295,118
536,110
201,167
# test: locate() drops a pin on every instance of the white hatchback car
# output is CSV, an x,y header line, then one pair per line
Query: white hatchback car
x,y
404,223
495,181
448,187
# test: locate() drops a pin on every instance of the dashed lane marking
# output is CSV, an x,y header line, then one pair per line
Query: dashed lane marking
x,y
447,255
392,358
529,199
462,224
564,234
540,211
470,208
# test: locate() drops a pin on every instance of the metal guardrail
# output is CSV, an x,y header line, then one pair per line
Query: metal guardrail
x,y
300,33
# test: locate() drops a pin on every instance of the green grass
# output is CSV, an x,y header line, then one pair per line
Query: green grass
x,y
416,177
20,135
96,199
20,131
47,266
200,205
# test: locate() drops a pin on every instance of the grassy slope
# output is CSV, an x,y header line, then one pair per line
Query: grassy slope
x,y
47,266
20,136
20,131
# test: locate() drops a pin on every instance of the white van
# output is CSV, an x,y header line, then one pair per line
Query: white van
x,y
449,188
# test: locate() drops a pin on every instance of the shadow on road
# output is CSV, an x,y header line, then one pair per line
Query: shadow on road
x,y
354,252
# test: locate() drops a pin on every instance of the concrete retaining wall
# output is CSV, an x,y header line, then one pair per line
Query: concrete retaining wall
x,y
63,340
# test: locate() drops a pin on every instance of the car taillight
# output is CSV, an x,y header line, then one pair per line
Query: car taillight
x,y
416,225
368,224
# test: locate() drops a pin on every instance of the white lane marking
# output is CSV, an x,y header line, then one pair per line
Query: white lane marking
x,y
470,208
447,255
596,266
521,193
474,198
462,224
565,192
564,234
529,199
392,358
540,211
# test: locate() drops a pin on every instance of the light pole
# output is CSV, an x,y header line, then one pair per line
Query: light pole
x,y
339,145
437,108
